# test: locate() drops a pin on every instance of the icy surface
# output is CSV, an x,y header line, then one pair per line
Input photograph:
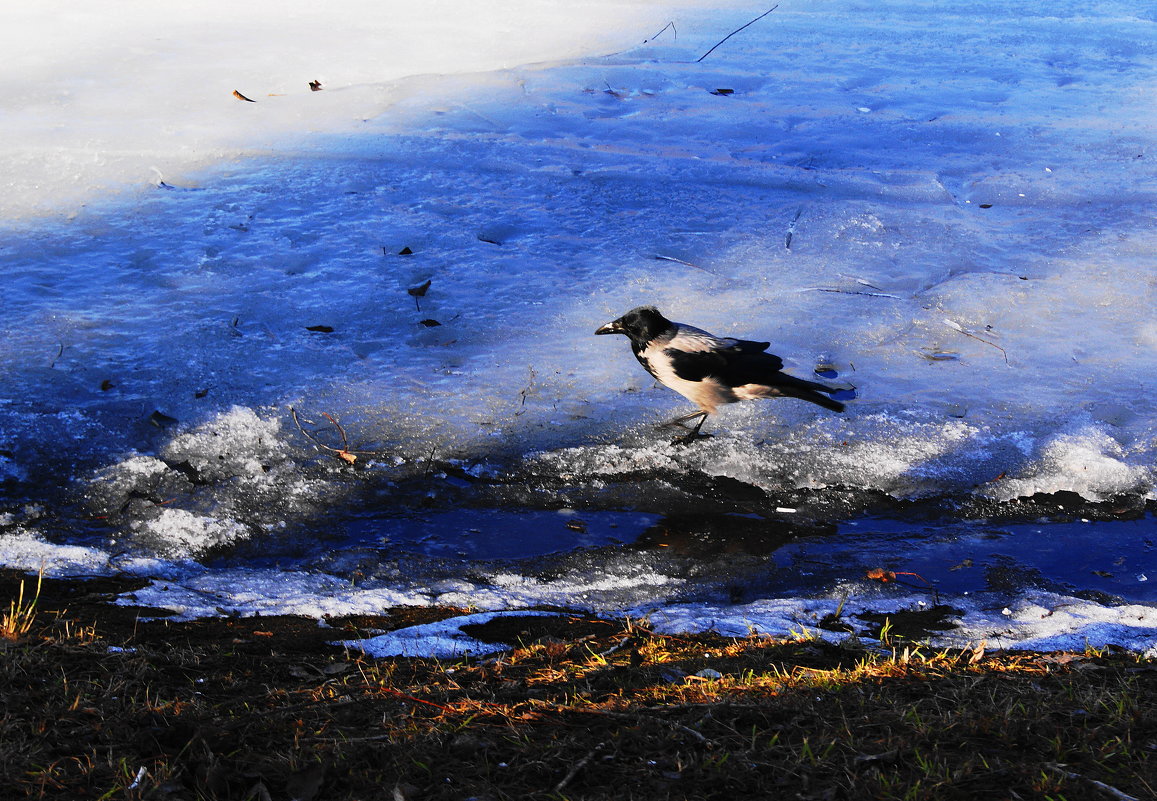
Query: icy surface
x,y
948,207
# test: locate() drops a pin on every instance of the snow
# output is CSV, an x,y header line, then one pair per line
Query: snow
x,y
442,640
152,85
1039,621
948,205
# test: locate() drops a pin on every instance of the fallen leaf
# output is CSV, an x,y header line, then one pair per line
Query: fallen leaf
x,y
106,385
240,96
1063,658
406,251
421,290
161,420
321,329
938,355
315,86
722,92
430,323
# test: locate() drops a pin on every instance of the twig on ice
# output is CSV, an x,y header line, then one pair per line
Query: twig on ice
x,y
344,453
791,229
958,327
680,261
850,292
670,25
737,30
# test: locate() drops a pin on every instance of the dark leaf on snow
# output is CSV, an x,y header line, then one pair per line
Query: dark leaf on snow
x,y
321,329
420,291
430,323
161,420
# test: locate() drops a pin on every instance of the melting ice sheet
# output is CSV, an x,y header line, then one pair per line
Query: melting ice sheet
x,y
948,208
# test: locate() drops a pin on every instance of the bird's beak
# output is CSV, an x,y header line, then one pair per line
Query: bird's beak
x,y
613,327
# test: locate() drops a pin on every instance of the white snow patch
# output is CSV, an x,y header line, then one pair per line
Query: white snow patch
x,y
1089,462
132,92
176,533
442,640
28,551
1036,621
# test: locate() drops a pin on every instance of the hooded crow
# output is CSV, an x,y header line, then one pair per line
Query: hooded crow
x,y
709,370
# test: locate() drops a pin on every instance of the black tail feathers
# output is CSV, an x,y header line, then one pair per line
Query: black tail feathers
x,y
809,391
818,399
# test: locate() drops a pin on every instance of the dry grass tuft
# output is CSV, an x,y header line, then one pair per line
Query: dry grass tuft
x,y
21,616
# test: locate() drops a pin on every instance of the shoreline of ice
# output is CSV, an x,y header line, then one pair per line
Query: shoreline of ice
x,y
1024,618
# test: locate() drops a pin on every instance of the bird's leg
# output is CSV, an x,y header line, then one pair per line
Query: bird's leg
x,y
679,421
693,434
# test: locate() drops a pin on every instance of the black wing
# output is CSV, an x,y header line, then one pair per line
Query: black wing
x,y
747,346
696,365
742,363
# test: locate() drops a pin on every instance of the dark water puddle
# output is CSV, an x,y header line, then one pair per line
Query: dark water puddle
x,y
735,557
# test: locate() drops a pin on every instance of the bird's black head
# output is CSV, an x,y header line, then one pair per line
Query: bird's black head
x,y
640,325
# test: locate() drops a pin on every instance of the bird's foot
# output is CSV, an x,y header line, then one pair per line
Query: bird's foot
x,y
692,431
689,437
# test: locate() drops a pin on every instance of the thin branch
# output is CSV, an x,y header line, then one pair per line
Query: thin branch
x,y
681,261
791,229
670,25
1105,788
341,431
345,453
737,30
852,292
576,767
958,327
